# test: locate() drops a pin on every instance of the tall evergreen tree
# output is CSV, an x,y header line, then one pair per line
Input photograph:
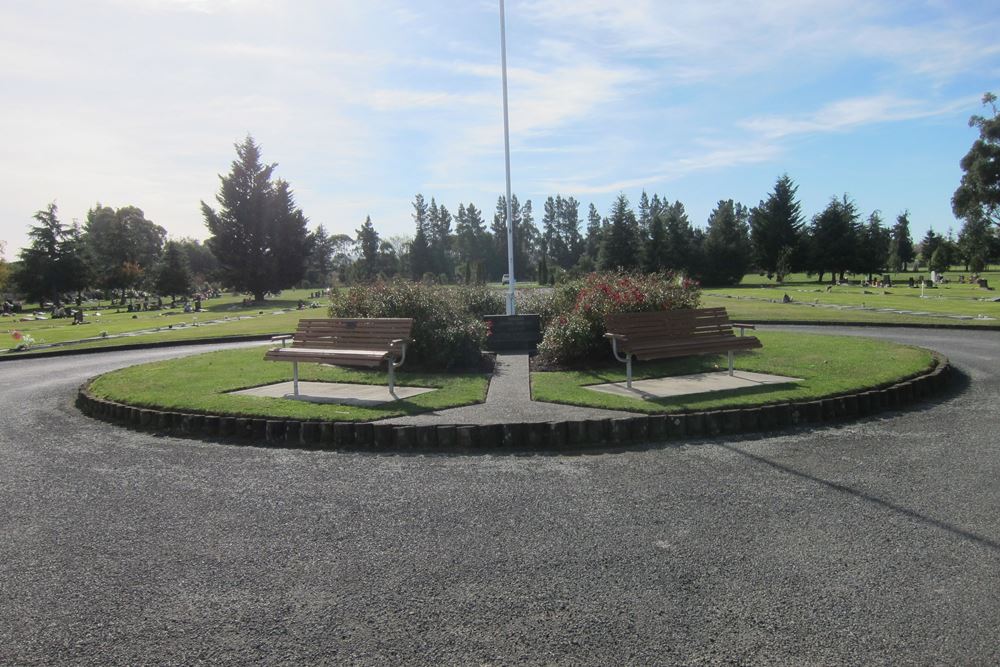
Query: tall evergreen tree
x,y
620,248
594,234
421,260
369,246
52,265
727,244
680,252
319,268
569,231
174,275
975,244
258,235
833,238
775,229
874,241
901,251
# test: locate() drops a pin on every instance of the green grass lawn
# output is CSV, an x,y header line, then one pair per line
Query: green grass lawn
x,y
198,384
829,365
224,316
952,303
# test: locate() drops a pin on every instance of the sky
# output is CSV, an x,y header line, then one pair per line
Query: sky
x,y
364,104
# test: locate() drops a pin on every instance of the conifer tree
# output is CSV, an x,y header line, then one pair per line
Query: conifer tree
x,y
620,247
727,244
258,235
775,229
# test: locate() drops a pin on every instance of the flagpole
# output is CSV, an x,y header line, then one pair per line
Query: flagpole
x,y
511,308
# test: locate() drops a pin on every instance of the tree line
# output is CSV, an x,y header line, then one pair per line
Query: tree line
x,y
260,242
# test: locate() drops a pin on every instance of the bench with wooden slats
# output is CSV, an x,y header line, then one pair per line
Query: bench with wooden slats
x,y
675,333
362,342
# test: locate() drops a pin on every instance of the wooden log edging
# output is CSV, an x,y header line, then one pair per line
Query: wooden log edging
x,y
590,434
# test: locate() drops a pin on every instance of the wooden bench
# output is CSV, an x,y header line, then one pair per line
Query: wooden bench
x,y
675,333
346,342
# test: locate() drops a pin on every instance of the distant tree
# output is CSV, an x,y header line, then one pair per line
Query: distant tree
x,y
620,248
939,260
173,276
727,244
978,194
122,245
901,250
682,248
776,228
872,254
594,234
930,243
4,268
258,235
833,239
53,263
655,249
200,260
975,243
319,266
369,244
421,261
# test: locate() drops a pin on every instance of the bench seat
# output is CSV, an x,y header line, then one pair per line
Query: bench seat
x,y
675,333
354,342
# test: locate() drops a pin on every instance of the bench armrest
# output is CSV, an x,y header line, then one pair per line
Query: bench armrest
x,y
616,336
741,327
282,339
396,341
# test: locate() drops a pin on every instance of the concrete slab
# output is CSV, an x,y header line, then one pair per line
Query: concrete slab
x,y
334,392
699,383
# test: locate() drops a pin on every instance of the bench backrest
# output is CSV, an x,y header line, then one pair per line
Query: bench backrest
x,y
688,323
373,333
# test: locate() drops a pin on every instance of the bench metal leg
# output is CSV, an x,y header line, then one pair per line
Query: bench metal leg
x,y
628,371
295,378
392,380
730,362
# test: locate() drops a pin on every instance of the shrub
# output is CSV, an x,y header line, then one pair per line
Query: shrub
x,y
576,327
446,335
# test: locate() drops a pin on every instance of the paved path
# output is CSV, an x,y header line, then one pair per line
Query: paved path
x,y
876,542
508,400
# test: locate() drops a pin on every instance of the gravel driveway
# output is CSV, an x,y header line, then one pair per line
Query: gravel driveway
x,y
867,543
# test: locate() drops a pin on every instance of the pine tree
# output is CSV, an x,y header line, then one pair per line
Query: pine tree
x,y
620,249
833,239
174,275
594,234
775,229
901,250
259,235
727,244
52,264
872,254
369,245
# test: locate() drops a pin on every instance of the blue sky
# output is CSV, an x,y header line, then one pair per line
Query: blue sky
x,y
364,104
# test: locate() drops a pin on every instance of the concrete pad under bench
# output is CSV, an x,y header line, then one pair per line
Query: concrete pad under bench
x,y
683,385
365,395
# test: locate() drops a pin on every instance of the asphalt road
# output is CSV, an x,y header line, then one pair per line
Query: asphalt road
x,y
869,543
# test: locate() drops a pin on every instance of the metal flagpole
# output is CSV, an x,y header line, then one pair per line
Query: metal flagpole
x,y
511,308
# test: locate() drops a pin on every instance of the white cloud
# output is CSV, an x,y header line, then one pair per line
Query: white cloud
x,y
848,114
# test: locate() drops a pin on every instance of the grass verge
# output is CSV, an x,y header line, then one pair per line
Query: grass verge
x,y
198,384
828,365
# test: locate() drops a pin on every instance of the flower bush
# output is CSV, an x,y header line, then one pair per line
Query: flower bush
x,y
447,333
575,328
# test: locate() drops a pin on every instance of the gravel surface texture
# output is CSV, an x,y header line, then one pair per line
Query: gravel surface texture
x,y
876,542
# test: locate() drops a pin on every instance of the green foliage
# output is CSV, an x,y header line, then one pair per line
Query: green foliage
x,y
727,245
978,194
776,229
834,238
446,334
174,275
901,250
259,235
574,319
53,264
874,242
620,246
122,245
